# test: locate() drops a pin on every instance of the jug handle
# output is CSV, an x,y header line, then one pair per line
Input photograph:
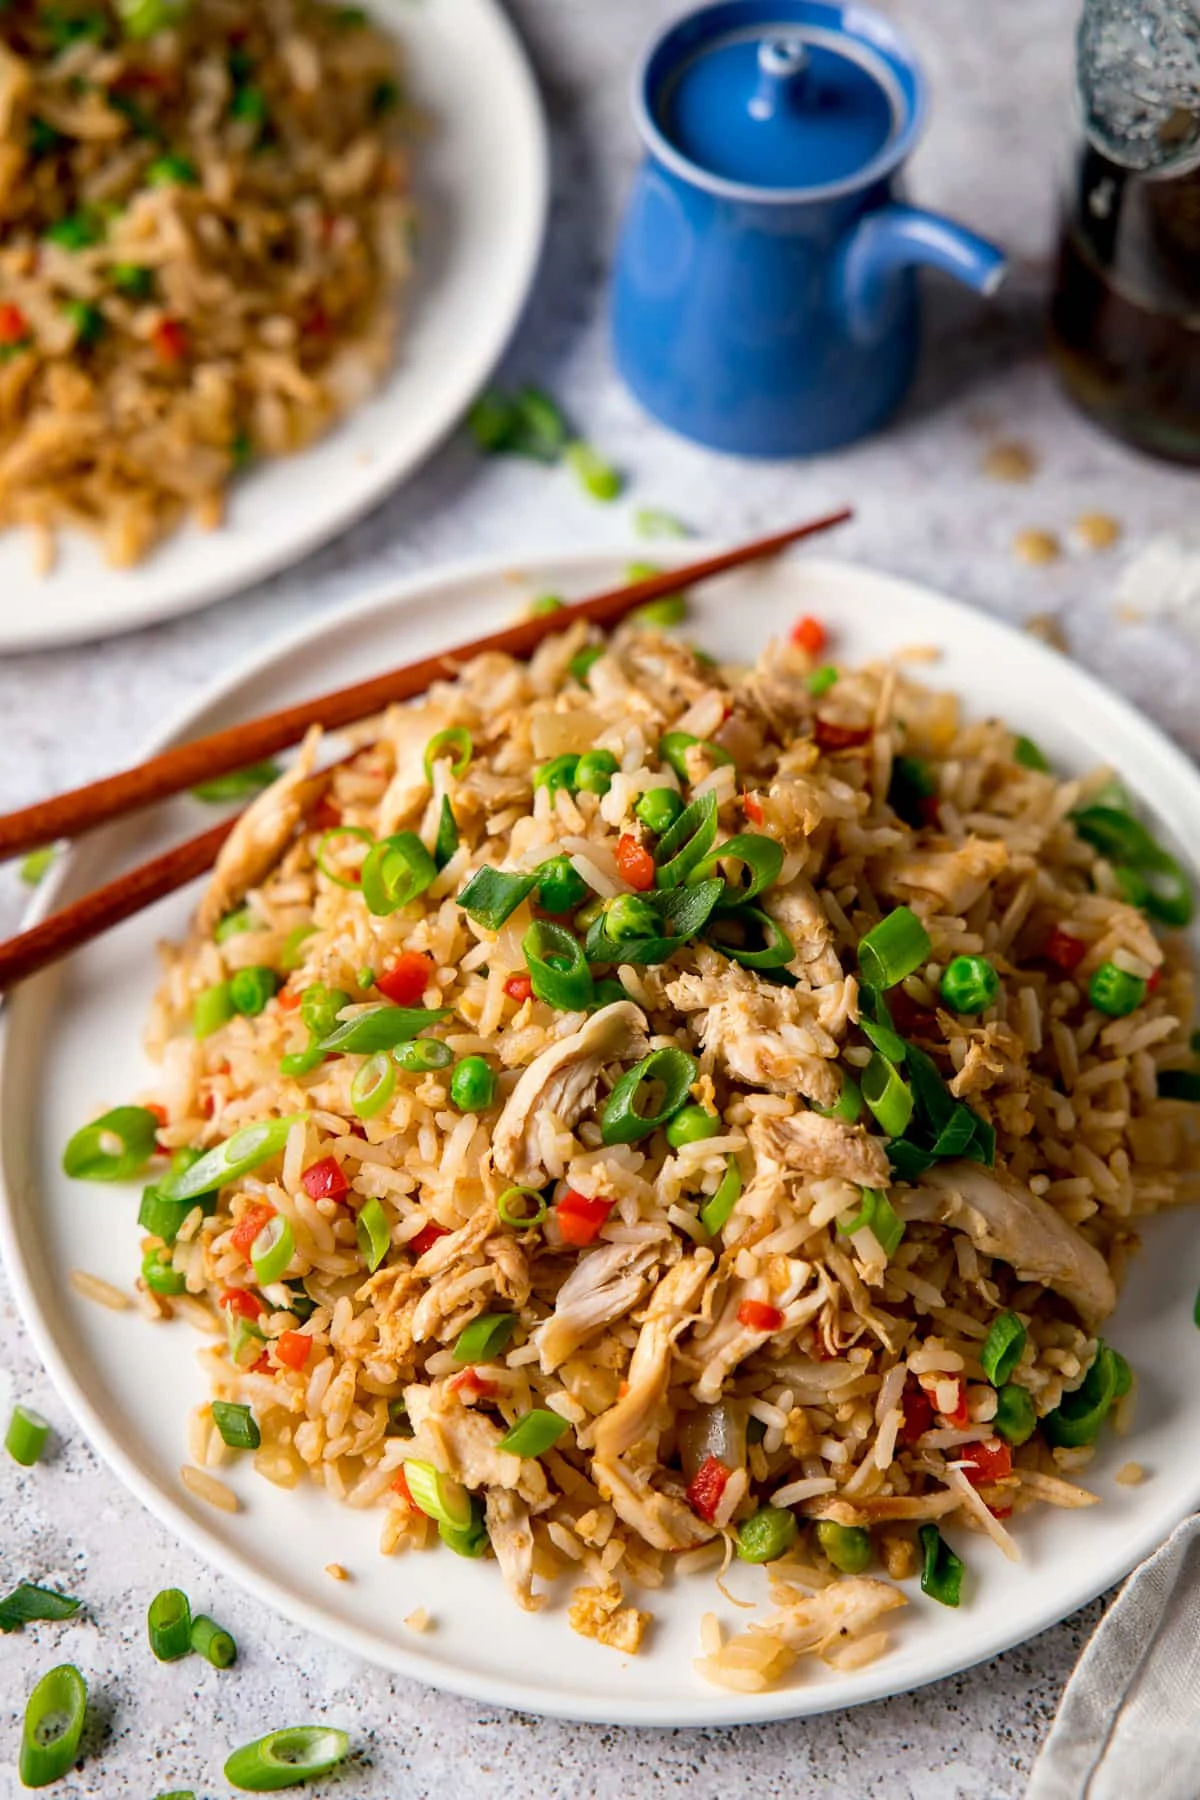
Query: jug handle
x,y
893,238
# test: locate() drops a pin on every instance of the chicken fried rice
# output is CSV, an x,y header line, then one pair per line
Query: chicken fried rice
x,y
632,1112
205,229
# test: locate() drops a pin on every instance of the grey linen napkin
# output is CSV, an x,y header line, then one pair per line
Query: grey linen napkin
x,y
1128,1727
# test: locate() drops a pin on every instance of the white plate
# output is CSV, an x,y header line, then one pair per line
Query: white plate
x,y
481,178
72,1047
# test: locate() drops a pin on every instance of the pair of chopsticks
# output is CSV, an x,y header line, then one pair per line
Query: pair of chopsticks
x,y
81,809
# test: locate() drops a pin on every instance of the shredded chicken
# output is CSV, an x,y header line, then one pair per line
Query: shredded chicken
x,y
804,1624
817,1148
603,1287
558,1087
463,1443
770,1037
995,1056
512,1539
1005,1219
797,908
672,1304
956,878
260,837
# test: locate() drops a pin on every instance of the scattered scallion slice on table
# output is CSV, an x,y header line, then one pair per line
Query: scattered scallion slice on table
x,y
28,1604
53,1727
214,1644
169,1620
596,477
284,1759
27,1436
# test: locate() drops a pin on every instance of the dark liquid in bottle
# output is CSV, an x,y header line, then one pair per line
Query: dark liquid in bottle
x,y
1125,320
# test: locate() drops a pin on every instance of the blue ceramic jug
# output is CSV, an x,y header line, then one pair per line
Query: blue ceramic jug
x,y
765,296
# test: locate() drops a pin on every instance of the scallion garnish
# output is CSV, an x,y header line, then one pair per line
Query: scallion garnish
x,y
674,747
582,661
380,1028
169,1620
272,1251
485,1336
233,924
285,1758
54,1718
913,785
321,854
521,1208
942,1570
236,1424
290,958
373,1085
251,988
893,949
438,1495
685,844
215,1645
113,1147
420,1055
848,1106
734,934
373,1233
821,680
473,1540
1077,1418
534,1433
26,1436
27,1604
888,1095
1179,1084
875,1023
163,1218
652,522
672,1071
212,1008
457,743
1027,753
229,1161
877,1216
1016,1419
757,861
160,1274
37,864
597,477
661,614
447,840
493,895
715,1213
558,968
1002,1348
396,870
239,784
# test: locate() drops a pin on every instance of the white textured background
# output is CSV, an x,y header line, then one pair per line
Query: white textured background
x,y
925,510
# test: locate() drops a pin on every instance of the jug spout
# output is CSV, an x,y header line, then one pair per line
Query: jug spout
x,y
895,238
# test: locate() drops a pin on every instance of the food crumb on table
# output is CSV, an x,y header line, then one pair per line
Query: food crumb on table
x,y
1047,629
1009,462
337,1571
419,1619
1037,547
1130,1474
1097,531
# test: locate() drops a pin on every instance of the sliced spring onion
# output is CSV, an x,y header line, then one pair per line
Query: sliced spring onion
x,y
492,422
113,1147
236,1424
251,988
692,1125
957,1134
290,958
942,1570
673,748
715,1213
447,840
229,1161
493,895
661,614
876,1215
28,1603
821,680
234,923
396,870
160,1274
169,1618
212,1008
558,968
164,1218
373,1085
583,660
849,1106
1026,752
766,1535
875,1023
321,856
246,1341
54,1717
679,913
596,477
540,428
1179,1084
485,1337
759,859
1116,834
652,522
687,842
472,1541
511,1207
382,1028
239,784
438,1495
734,933
473,1084
848,1547
1015,1418
893,949
215,1645
1168,891
1002,1348
888,1095
420,1055
534,1433
1077,1418
272,1251
286,1758
456,742
373,1233
673,1070
559,772
26,1436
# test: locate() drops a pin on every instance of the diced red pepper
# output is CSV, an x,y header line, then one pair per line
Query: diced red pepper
x,y
241,1301
928,810
170,340
14,326
1153,981
752,807
405,980
1063,950
325,815
518,987
293,1348
325,1180
1000,1512
315,321
757,1315
289,998
580,1220
918,1413
707,1486
987,1462
831,734
426,1238
634,863
472,1386
160,1113
262,1364
809,634
248,1228
400,1486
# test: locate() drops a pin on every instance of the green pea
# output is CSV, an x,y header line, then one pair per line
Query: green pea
x,y
970,984
658,808
1115,992
766,1535
560,886
250,989
559,772
692,1126
626,917
233,924
472,1085
211,1009
582,661
848,1547
595,771
320,1006
542,605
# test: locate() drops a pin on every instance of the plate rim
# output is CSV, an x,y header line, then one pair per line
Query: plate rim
x,y
712,1706
38,629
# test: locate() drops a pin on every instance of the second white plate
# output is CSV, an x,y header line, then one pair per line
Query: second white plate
x,y
71,1047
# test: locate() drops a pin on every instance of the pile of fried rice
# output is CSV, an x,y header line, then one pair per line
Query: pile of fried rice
x,y
796,1354
205,230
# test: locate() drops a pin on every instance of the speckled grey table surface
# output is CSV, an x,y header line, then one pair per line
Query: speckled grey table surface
x,y
926,510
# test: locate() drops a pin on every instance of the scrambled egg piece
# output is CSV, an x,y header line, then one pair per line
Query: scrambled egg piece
x,y
597,1613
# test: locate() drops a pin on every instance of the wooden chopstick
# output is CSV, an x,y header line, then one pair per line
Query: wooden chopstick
x,y
82,809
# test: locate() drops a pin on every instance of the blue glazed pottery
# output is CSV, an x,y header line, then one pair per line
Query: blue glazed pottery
x,y
765,296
